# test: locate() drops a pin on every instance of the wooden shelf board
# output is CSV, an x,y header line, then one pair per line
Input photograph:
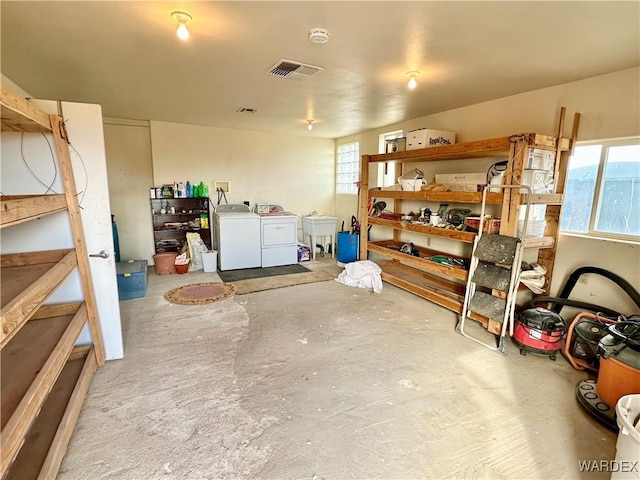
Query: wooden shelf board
x,y
539,242
435,289
466,237
452,197
21,115
494,147
390,248
463,197
47,439
31,363
27,280
22,208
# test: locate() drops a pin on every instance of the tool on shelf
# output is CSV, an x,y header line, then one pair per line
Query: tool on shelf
x,y
495,266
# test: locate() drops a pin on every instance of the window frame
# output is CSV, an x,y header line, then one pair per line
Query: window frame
x,y
596,206
339,163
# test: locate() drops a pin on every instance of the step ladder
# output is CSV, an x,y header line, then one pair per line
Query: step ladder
x,y
495,266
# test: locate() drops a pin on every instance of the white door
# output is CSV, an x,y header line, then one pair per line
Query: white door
x,y
28,166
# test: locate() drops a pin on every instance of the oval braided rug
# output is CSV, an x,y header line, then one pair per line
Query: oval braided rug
x,y
200,293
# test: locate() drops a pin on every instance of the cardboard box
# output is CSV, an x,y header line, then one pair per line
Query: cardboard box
x,y
541,160
132,279
491,225
539,181
424,138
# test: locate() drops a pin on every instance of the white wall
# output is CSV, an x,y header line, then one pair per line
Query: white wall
x,y
609,106
129,167
294,171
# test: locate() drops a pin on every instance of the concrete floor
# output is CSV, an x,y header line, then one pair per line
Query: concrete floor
x,y
324,381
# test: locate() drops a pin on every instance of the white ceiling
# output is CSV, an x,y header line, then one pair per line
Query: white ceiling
x,y
126,56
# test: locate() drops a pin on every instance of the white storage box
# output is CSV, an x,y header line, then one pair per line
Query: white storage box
x,y
424,137
539,181
462,182
541,159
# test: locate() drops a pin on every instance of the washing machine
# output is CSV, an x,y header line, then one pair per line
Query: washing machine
x,y
237,231
278,237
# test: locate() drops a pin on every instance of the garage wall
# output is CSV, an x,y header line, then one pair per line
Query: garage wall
x,y
296,172
610,108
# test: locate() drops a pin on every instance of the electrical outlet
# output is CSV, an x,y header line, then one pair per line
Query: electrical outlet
x,y
221,186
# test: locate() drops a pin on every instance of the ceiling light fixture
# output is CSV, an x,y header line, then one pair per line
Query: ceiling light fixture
x,y
412,78
182,18
319,35
309,124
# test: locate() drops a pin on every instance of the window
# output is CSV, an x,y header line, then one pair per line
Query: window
x,y
602,194
386,170
348,169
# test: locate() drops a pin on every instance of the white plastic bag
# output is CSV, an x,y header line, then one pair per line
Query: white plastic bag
x,y
196,249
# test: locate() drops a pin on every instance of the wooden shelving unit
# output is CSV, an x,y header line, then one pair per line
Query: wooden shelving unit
x,y
442,284
165,224
44,376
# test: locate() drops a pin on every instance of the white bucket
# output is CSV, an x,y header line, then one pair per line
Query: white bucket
x,y
210,261
627,461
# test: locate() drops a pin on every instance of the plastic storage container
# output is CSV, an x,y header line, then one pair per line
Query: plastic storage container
x,y
210,261
165,263
132,279
628,444
535,228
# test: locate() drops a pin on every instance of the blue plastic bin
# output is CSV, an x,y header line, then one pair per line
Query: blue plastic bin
x,y
132,279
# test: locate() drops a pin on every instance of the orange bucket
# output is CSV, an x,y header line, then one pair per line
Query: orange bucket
x,y
615,380
182,268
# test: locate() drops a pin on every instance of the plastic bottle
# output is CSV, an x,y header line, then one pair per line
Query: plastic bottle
x,y
195,190
189,191
204,190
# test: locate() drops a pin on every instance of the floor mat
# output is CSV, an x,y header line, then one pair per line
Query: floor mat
x,y
247,273
280,281
200,293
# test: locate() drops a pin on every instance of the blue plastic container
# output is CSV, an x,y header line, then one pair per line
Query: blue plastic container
x,y
132,279
347,247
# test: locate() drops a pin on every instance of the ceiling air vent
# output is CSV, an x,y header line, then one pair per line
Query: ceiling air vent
x,y
286,68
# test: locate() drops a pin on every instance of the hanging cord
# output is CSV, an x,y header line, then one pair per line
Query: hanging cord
x,y
221,195
49,188
86,175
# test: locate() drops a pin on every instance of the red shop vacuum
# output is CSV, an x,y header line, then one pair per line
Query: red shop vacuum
x,y
539,331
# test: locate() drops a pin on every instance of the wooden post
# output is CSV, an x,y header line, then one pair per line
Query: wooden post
x,y
364,201
547,257
66,172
